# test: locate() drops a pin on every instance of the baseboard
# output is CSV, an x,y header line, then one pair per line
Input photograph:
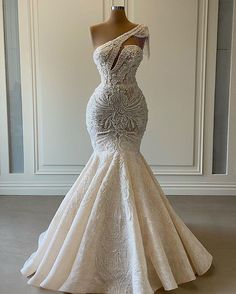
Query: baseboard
x,y
61,189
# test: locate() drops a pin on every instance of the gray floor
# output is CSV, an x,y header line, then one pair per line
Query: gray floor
x,y
211,219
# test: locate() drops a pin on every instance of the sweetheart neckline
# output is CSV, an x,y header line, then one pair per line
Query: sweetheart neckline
x,y
121,52
139,25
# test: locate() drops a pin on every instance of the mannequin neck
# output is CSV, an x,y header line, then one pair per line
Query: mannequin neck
x,y
117,16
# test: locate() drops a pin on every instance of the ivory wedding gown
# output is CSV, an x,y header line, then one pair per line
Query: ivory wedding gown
x,y
115,231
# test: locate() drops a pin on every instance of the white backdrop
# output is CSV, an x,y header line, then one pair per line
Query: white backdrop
x,y
58,76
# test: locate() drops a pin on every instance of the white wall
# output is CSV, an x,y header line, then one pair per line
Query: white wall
x,y
58,76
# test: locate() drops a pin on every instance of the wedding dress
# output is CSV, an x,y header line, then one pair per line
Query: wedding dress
x,y
115,231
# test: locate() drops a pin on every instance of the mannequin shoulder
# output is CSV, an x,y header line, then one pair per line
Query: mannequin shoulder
x,y
95,29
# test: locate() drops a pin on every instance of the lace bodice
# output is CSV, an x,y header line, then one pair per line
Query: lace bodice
x,y
116,62
117,113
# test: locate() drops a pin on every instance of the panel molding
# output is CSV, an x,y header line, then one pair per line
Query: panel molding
x,y
39,167
197,167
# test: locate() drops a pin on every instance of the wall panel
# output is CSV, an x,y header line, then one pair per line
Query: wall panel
x,y
58,76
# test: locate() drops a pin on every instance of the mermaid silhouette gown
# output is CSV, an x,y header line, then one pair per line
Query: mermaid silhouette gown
x,y
115,231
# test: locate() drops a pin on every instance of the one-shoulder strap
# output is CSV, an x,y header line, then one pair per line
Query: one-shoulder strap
x,y
140,31
144,33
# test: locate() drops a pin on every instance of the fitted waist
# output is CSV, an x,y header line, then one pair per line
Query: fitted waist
x,y
118,85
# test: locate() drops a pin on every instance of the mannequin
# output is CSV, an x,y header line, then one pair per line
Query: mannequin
x,y
115,26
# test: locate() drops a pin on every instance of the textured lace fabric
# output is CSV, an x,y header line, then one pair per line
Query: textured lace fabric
x,y
115,231
117,112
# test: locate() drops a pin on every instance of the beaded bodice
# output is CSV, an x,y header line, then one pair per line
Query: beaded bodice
x,y
117,63
117,113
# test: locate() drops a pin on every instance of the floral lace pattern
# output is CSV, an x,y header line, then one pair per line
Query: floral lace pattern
x,y
117,112
115,231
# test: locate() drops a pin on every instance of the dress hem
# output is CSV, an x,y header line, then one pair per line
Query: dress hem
x,y
162,287
186,281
